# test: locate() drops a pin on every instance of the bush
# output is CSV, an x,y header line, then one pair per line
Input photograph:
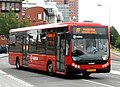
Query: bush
x,y
117,43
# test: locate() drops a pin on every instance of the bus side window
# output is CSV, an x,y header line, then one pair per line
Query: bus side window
x,y
12,42
41,43
12,39
32,41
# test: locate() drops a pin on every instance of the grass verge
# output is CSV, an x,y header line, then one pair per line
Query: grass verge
x,y
115,50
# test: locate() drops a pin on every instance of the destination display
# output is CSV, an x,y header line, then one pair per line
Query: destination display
x,y
89,30
51,35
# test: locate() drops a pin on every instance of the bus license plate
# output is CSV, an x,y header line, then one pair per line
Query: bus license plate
x,y
91,70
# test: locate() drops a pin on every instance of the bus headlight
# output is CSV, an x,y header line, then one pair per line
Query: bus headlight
x,y
104,57
73,64
78,66
105,65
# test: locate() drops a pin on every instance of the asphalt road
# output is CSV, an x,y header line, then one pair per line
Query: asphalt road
x,y
33,78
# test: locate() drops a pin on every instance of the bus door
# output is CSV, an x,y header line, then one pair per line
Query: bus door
x,y
60,61
25,50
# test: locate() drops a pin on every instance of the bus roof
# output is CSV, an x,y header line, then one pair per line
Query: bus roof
x,y
83,23
47,26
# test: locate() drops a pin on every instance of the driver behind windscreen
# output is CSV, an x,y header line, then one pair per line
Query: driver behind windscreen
x,y
91,49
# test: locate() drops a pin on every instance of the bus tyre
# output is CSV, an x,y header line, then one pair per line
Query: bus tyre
x,y
68,75
17,64
85,74
50,68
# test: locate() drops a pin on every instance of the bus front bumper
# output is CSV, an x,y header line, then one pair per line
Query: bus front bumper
x,y
72,70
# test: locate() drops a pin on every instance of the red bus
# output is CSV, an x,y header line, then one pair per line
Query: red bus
x,y
64,48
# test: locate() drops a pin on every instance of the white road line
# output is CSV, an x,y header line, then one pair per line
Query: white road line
x,y
115,72
2,72
20,81
112,72
16,79
98,83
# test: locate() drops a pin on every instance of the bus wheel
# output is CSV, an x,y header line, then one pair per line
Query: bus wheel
x,y
17,63
85,74
50,68
68,75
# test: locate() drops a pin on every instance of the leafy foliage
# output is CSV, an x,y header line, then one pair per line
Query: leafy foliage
x,y
8,21
24,23
115,34
117,43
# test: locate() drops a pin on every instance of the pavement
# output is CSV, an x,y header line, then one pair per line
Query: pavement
x,y
7,80
116,53
3,55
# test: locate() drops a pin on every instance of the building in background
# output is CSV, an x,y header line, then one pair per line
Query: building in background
x,y
73,10
54,16
36,15
3,40
27,4
42,13
64,9
71,5
34,12
14,5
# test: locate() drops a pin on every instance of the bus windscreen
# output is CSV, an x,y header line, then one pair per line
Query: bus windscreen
x,y
89,43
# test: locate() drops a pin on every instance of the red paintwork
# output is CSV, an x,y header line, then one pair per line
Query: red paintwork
x,y
40,64
84,67
13,56
42,59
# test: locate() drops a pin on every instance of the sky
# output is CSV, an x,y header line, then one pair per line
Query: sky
x,y
107,14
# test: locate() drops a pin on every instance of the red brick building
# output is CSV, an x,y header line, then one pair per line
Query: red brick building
x,y
36,15
15,5
3,40
57,1
73,9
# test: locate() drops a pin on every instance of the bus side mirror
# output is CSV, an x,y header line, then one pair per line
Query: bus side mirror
x,y
68,37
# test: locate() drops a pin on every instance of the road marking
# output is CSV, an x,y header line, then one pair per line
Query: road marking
x,y
115,72
2,72
16,79
112,72
20,81
98,83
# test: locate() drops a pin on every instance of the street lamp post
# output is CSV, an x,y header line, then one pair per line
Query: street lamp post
x,y
108,13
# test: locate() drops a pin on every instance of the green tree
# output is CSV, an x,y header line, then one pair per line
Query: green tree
x,y
8,21
117,43
24,23
115,34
